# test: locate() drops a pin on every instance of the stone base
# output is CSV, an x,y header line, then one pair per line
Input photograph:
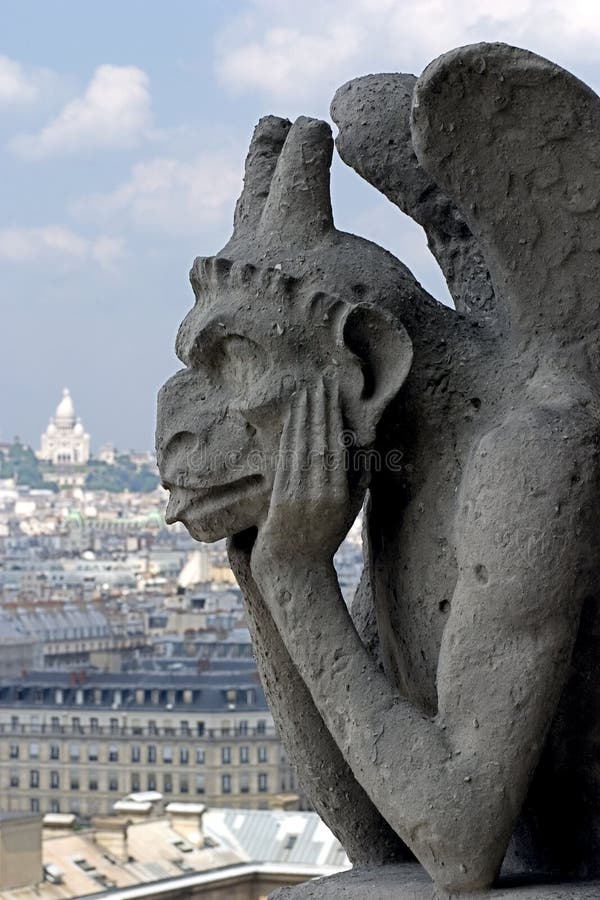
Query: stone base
x,y
409,882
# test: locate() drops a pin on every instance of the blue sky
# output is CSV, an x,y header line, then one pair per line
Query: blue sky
x,y
123,131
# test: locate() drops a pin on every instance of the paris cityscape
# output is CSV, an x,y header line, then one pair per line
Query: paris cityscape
x,y
128,689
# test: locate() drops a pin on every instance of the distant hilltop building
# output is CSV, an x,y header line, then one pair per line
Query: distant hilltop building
x,y
107,454
65,444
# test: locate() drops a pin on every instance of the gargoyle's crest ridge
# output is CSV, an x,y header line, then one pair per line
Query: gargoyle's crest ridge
x,y
211,275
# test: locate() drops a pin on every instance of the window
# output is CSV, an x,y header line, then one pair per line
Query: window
x,y
74,751
94,726
152,729
184,785
151,753
200,756
200,784
226,784
55,724
167,783
34,804
74,781
14,723
34,778
263,783
262,754
135,783
261,726
54,780
136,753
113,783
54,806
225,755
54,751
93,753
185,726
76,725
184,756
14,779
113,753
225,729
244,754
151,782
93,781
168,754
14,751
242,727
114,726
244,783
200,729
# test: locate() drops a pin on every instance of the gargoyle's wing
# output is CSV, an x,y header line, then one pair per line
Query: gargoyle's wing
x,y
373,118
515,141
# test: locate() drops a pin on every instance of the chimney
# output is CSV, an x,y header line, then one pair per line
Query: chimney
x,y
186,820
110,833
20,850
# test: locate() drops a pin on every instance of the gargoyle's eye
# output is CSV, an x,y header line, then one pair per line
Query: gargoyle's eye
x,y
232,360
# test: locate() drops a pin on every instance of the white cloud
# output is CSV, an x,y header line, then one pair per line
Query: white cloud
x,y
269,52
59,245
113,113
18,84
171,196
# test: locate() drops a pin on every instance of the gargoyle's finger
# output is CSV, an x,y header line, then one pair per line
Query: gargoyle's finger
x,y
268,139
292,450
337,473
315,478
373,117
298,208
515,141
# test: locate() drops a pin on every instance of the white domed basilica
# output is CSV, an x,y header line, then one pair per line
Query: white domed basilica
x,y
65,443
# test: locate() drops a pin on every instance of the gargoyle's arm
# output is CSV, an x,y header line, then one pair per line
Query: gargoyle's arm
x,y
323,772
452,787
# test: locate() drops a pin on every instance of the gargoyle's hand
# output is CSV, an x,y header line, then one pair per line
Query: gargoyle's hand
x,y
310,510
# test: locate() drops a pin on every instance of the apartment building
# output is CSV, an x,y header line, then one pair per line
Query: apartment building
x,y
77,742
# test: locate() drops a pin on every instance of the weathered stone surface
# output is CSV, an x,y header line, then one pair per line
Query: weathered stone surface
x,y
458,711
373,117
407,883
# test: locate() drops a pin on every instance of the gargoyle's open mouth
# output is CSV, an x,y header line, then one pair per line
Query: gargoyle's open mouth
x,y
182,500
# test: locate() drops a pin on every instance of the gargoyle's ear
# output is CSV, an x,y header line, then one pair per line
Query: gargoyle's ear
x,y
385,353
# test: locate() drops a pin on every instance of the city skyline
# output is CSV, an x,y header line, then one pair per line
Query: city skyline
x,y
123,148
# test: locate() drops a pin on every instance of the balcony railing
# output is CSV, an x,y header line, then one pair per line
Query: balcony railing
x,y
129,731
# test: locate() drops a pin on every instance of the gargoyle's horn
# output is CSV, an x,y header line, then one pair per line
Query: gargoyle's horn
x,y
299,206
267,141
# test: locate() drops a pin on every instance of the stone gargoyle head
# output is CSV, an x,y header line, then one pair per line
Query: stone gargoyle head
x,y
290,299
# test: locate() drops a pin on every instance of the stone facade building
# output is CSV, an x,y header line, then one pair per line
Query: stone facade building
x,y
78,743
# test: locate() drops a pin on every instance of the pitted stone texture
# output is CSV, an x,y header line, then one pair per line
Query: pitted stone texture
x,y
373,117
410,883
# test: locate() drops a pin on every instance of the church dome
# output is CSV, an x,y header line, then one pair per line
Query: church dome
x,y
65,411
78,430
51,428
